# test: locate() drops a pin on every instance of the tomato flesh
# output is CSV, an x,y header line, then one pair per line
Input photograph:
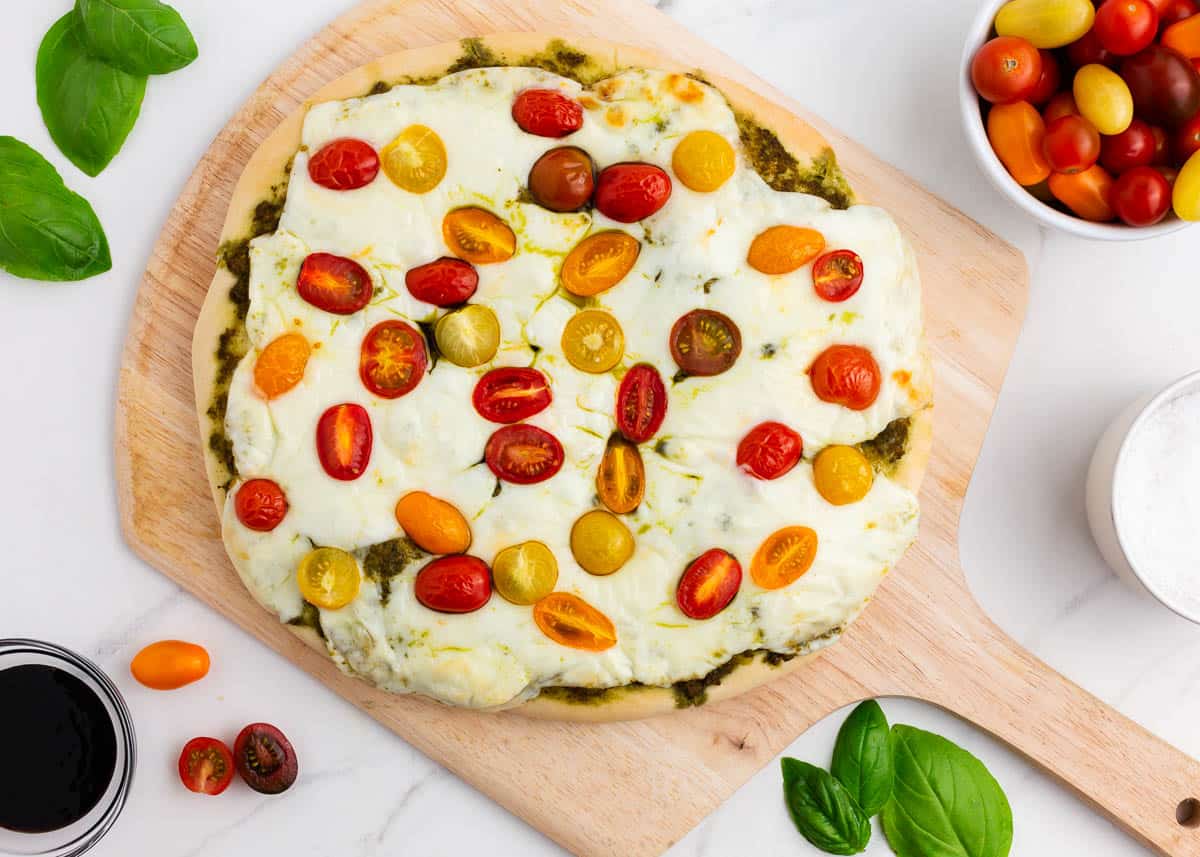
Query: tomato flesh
x,y
334,283
641,403
709,584
562,179
454,584
344,440
846,375
837,276
705,342
393,359
444,282
1133,147
1125,27
547,113
1072,143
1141,196
265,759
260,505
1006,69
511,394
345,164
206,766
769,450
523,454
631,192
570,621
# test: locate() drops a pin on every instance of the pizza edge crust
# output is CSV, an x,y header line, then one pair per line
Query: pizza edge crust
x,y
266,170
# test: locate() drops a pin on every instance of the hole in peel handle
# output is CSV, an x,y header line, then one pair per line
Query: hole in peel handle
x,y
1188,812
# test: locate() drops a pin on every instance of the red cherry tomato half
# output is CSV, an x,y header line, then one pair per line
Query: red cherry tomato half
x,y
708,584
1186,141
1006,69
1133,147
1141,196
260,505
837,275
1088,50
1062,104
345,164
769,450
265,758
511,394
1049,82
1125,27
334,283
444,282
631,192
1164,84
705,342
846,375
344,441
523,454
393,359
454,584
206,766
547,113
641,403
1072,144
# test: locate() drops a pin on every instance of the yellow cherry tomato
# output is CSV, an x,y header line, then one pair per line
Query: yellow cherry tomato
x,y
281,365
329,578
1046,23
525,573
433,524
416,160
1186,197
600,542
478,236
170,664
570,621
842,474
784,557
468,336
783,249
1103,98
621,479
593,341
599,262
703,161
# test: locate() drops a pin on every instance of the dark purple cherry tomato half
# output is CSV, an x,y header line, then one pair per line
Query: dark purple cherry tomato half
x,y
265,758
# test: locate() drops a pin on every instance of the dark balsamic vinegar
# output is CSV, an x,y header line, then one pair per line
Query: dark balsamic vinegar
x,y
58,745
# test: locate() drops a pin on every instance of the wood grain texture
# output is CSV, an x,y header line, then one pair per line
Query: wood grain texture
x,y
650,781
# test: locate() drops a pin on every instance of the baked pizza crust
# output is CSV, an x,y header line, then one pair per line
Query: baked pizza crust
x,y
266,171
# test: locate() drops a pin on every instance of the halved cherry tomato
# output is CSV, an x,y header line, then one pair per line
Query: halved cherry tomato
x,y
1006,69
265,758
1133,147
1186,141
547,113
1062,104
511,394
1046,23
1085,193
433,524
260,505
570,621
206,766
1186,194
344,441
1103,98
416,160
454,584
444,282
842,474
170,664
525,573
846,375
1017,134
641,403
468,336
280,366
1141,196
837,276
631,192
1088,50
393,359
562,179
703,161
705,342
478,236
783,249
1049,82
709,584
1125,27
1184,37
345,164
600,542
599,262
334,283
769,450
329,578
523,454
621,478
784,557
1072,144
593,341
1165,86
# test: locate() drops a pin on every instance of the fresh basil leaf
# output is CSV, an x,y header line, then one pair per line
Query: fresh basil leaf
x,y
88,106
862,757
137,36
823,810
944,803
46,231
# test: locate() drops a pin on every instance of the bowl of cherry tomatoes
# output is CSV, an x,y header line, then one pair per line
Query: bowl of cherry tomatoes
x,y
1087,114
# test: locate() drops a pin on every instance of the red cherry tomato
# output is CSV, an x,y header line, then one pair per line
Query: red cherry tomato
x,y
511,394
631,192
1088,50
1062,104
1176,11
1164,84
444,282
206,766
265,758
769,450
334,283
1141,196
345,164
1168,173
523,454
1006,69
454,584
846,375
344,441
705,342
837,276
1049,82
1072,144
1125,27
1186,141
393,359
547,113
1133,147
708,584
641,403
260,505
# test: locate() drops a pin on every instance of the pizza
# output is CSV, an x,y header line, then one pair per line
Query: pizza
x,y
535,379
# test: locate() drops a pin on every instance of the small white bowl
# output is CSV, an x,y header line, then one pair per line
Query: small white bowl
x,y
973,125
1104,489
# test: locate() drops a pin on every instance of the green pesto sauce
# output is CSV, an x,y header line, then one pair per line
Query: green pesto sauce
x,y
386,560
310,617
885,450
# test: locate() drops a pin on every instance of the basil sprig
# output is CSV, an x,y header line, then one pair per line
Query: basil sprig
x,y
822,810
862,757
140,37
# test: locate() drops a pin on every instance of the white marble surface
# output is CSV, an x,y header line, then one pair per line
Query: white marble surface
x,y
1105,323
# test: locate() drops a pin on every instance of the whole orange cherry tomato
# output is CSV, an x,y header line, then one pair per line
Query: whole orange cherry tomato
x,y
1006,69
1086,193
1017,134
170,664
846,375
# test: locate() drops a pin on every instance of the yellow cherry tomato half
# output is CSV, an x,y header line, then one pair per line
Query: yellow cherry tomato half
x,y
281,365
1186,196
433,524
170,664
570,621
621,479
329,578
842,474
416,160
468,336
600,542
593,341
525,573
1103,98
783,249
599,262
1046,23
784,557
703,161
478,236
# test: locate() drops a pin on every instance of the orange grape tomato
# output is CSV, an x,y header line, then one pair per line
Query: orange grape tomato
x,y
842,475
1085,193
703,161
709,584
837,276
454,584
344,164
1184,36
846,375
170,664
334,283
433,524
525,573
705,342
478,236
416,160
599,262
344,440
260,505
523,454
329,578
783,249
784,557
593,341
393,359
570,621
1017,133
562,179
621,478
280,366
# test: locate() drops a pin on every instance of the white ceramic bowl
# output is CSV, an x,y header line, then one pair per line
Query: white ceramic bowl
x,y
973,125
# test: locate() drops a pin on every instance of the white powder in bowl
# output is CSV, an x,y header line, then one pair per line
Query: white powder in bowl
x,y
1158,501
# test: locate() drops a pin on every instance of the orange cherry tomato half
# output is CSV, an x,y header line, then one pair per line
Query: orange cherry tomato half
x,y
631,192
1085,193
547,113
570,621
708,584
523,454
621,478
562,179
599,262
705,342
769,450
1072,144
846,375
334,283
170,664
641,403
206,766
511,394
260,505
345,164
478,236
837,276
444,282
783,249
454,584
393,359
344,441
784,557
1006,69
1017,132
280,366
